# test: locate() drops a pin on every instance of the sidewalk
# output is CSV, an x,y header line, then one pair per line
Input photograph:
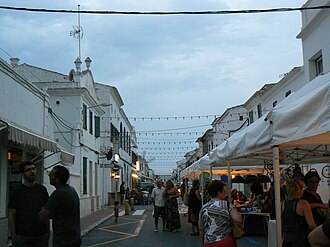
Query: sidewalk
x,y
91,221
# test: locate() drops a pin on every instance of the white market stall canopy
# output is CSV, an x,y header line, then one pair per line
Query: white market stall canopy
x,y
299,125
297,130
303,120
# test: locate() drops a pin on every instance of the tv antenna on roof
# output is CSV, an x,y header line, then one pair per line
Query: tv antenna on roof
x,y
78,32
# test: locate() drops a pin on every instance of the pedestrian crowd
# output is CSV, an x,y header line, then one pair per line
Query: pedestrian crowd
x,y
305,218
213,216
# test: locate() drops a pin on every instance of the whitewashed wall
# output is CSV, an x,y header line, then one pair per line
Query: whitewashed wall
x,y
315,38
25,105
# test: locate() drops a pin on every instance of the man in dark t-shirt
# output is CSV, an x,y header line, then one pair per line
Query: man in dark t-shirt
x,y
63,207
24,205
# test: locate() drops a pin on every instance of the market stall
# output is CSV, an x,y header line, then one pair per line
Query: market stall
x,y
296,131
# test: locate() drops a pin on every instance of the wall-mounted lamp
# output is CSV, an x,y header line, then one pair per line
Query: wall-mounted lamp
x,y
117,157
138,165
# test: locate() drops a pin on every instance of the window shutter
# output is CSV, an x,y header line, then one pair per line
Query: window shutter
x,y
97,126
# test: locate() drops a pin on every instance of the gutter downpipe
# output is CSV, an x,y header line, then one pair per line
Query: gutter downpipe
x,y
276,164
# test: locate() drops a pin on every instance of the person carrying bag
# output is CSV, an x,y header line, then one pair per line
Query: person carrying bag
x,y
216,218
237,227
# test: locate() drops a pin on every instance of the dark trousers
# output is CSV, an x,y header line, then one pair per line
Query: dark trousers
x,y
31,241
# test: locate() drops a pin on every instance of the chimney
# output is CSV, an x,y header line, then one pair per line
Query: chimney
x,y
78,64
14,62
88,62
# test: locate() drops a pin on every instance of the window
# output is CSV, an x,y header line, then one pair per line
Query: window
x,y
84,175
274,103
315,65
124,139
240,118
84,116
114,133
259,110
121,136
287,93
97,126
91,122
319,65
251,116
129,144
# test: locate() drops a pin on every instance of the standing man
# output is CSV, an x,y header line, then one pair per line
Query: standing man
x,y
157,197
25,202
122,192
64,208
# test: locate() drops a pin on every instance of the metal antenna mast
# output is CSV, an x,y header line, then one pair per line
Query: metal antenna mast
x,y
79,28
78,33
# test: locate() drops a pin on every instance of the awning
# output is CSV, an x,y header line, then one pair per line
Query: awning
x,y
2,126
24,136
65,155
27,137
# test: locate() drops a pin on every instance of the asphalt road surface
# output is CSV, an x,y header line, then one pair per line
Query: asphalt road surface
x,y
137,230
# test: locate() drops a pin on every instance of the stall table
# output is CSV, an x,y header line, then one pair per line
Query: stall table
x,y
252,221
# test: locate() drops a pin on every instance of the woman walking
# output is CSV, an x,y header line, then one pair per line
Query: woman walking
x,y
173,217
195,205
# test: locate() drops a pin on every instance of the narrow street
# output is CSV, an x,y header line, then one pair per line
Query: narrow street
x,y
137,229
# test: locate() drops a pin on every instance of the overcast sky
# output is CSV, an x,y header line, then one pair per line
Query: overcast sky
x,y
163,66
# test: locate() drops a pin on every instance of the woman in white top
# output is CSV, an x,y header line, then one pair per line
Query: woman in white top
x,y
216,217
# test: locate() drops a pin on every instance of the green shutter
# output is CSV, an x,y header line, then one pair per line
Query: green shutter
x,y
84,116
97,126
84,175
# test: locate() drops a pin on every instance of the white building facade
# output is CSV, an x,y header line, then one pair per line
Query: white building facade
x,y
26,133
76,113
117,135
231,121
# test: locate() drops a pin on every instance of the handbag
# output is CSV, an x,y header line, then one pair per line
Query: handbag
x,y
238,231
186,199
237,228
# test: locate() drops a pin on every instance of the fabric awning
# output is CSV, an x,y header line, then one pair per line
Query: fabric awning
x,y
2,126
27,137
65,155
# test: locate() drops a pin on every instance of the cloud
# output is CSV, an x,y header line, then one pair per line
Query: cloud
x,y
163,65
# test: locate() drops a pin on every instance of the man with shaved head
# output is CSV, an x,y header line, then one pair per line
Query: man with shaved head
x,y
157,198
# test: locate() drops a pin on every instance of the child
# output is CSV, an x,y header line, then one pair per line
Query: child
x,y
116,210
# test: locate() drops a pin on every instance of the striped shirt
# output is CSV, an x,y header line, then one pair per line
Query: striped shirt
x,y
216,220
